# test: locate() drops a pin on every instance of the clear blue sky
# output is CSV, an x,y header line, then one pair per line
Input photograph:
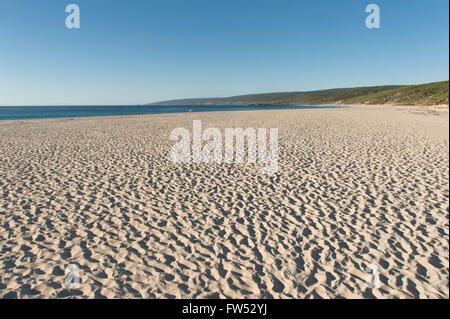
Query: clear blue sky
x,y
139,51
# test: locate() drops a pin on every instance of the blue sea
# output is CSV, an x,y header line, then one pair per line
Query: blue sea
x,y
41,112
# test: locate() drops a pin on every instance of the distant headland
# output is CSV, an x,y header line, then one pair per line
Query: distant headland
x,y
435,93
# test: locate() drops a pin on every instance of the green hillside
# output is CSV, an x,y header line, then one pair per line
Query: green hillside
x,y
423,94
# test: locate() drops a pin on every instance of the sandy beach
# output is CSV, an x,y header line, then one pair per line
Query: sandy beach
x,y
355,187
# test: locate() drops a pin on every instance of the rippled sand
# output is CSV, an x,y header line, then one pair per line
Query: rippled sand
x,y
355,187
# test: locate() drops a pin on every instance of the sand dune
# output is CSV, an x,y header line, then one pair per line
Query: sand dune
x,y
355,187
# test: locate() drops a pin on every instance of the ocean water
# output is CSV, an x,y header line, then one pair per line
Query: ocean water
x,y
41,112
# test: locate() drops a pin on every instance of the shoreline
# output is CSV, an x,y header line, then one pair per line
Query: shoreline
x,y
437,108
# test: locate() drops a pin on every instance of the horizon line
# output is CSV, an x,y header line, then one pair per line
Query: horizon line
x,y
221,97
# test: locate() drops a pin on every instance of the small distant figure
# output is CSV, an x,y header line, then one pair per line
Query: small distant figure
x,y
190,110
